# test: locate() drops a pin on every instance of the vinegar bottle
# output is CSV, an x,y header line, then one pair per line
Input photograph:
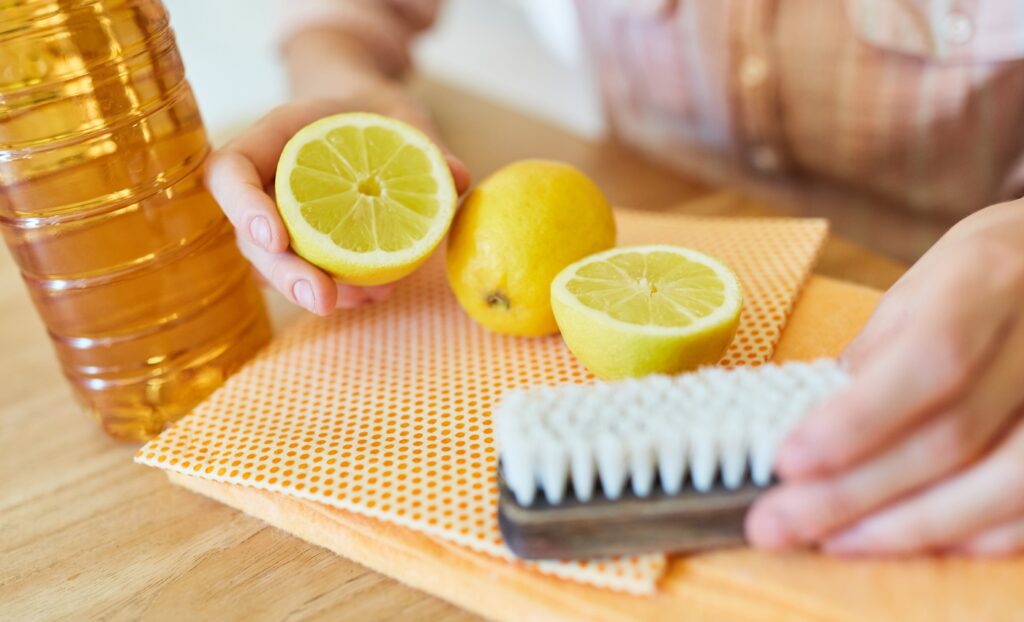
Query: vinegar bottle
x,y
129,261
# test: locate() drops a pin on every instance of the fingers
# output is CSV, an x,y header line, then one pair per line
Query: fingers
x,y
802,513
237,174
299,281
350,296
307,285
879,331
1001,540
989,494
459,173
236,185
378,293
927,362
263,142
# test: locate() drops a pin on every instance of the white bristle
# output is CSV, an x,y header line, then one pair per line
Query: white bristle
x,y
581,463
710,428
518,467
762,454
641,464
554,470
672,456
703,457
611,465
733,455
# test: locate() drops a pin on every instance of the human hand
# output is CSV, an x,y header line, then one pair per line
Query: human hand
x,y
924,450
241,175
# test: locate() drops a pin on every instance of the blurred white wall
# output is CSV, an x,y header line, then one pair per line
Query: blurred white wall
x,y
524,53
229,58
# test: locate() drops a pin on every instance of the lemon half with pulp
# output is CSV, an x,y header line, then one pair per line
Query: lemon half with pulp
x,y
365,197
632,311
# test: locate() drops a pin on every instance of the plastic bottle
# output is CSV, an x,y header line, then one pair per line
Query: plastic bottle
x,y
129,261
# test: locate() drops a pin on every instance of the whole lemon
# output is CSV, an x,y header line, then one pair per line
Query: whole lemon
x,y
514,233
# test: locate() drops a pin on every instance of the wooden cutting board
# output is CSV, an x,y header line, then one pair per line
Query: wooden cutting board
x,y
734,585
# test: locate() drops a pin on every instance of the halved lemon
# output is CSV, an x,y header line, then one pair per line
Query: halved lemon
x,y
365,197
632,311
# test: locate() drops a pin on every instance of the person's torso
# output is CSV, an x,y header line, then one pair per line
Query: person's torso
x,y
917,102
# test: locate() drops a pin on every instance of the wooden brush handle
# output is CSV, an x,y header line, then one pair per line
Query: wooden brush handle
x,y
684,522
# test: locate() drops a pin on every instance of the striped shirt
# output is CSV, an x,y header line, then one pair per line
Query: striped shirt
x,y
901,108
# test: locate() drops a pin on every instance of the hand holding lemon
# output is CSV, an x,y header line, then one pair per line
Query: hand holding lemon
x,y
241,178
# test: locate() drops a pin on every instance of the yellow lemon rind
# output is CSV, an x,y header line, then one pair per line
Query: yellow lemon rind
x,y
613,349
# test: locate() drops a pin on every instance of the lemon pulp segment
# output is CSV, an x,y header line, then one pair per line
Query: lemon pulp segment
x,y
656,288
363,196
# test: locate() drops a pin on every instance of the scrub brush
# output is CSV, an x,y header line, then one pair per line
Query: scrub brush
x,y
653,464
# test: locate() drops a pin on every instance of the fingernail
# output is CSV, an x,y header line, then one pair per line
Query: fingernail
x,y
302,291
259,230
769,530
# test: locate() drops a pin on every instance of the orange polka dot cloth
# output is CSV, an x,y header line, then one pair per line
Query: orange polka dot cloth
x,y
385,410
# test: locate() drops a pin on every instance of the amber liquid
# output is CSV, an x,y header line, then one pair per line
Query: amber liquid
x,y
129,261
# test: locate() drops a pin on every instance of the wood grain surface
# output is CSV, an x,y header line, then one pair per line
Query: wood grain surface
x,y
87,534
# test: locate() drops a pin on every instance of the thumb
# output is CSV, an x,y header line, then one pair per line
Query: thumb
x,y
459,172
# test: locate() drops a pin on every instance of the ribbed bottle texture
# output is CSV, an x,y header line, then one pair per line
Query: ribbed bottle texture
x,y
129,261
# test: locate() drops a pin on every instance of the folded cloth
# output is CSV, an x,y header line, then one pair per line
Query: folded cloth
x,y
384,411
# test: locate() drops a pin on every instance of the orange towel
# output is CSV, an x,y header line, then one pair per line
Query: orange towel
x,y
385,411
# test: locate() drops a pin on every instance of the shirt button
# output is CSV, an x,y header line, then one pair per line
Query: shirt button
x,y
753,71
957,28
765,159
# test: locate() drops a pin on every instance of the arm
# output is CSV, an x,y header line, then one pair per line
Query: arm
x,y
341,55
354,50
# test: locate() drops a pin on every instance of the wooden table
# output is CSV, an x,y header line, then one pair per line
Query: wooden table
x,y
86,534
